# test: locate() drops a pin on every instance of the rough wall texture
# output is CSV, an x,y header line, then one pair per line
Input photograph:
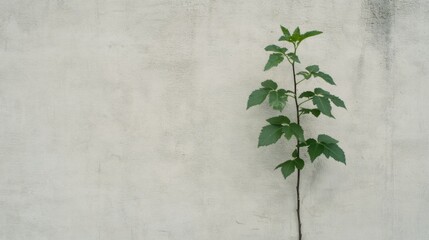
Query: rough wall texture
x,y
125,119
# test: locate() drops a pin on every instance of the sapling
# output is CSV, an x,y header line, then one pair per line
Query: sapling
x,y
283,125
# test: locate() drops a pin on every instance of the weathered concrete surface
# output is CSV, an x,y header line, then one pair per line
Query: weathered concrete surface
x,y
126,120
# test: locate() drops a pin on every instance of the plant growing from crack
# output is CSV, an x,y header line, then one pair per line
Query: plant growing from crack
x,y
283,125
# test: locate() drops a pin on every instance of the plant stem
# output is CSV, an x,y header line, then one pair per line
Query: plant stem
x,y
305,101
298,210
301,81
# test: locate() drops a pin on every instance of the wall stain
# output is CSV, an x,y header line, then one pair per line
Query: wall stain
x,y
379,16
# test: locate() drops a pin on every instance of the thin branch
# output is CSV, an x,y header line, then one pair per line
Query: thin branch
x,y
287,58
300,81
305,101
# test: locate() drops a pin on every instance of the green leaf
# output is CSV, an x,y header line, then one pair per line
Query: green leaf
x,y
323,105
296,32
325,77
277,100
314,150
284,38
285,31
275,48
312,68
274,60
299,163
305,110
297,131
295,153
309,34
310,141
305,74
334,99
306,94
269,84
323,138
288,132
334,151
279,120
286,34
269,134
282,92
315,112
295,36
337,101
293,57
287,168
320,91
257,97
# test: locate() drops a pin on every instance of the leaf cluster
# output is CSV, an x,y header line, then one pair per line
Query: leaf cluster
x,y
326,145
281,125
277,98
296,37
313,71
322,100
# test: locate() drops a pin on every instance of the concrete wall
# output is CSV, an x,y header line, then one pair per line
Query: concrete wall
x,y
126,120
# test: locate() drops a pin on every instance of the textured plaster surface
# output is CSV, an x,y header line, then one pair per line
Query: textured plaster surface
x,y
126,120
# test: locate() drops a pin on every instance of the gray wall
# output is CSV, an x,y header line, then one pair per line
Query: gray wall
x,y
126,120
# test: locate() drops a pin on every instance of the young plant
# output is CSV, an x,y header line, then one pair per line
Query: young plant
x,y
282,125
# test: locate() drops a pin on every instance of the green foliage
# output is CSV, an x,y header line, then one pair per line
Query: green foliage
x,y
270,134
334,151
277,99
274,60
326,145
287,168
323,99
325,77
323,145
322,103
275,48
269,84
314,149
257,97
309,34
297,131
299,163
285,31
288,132
296,37
282,125
326,139
305,74
337,101
279,120
312,69
306,94
314,111
295,153
293,57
